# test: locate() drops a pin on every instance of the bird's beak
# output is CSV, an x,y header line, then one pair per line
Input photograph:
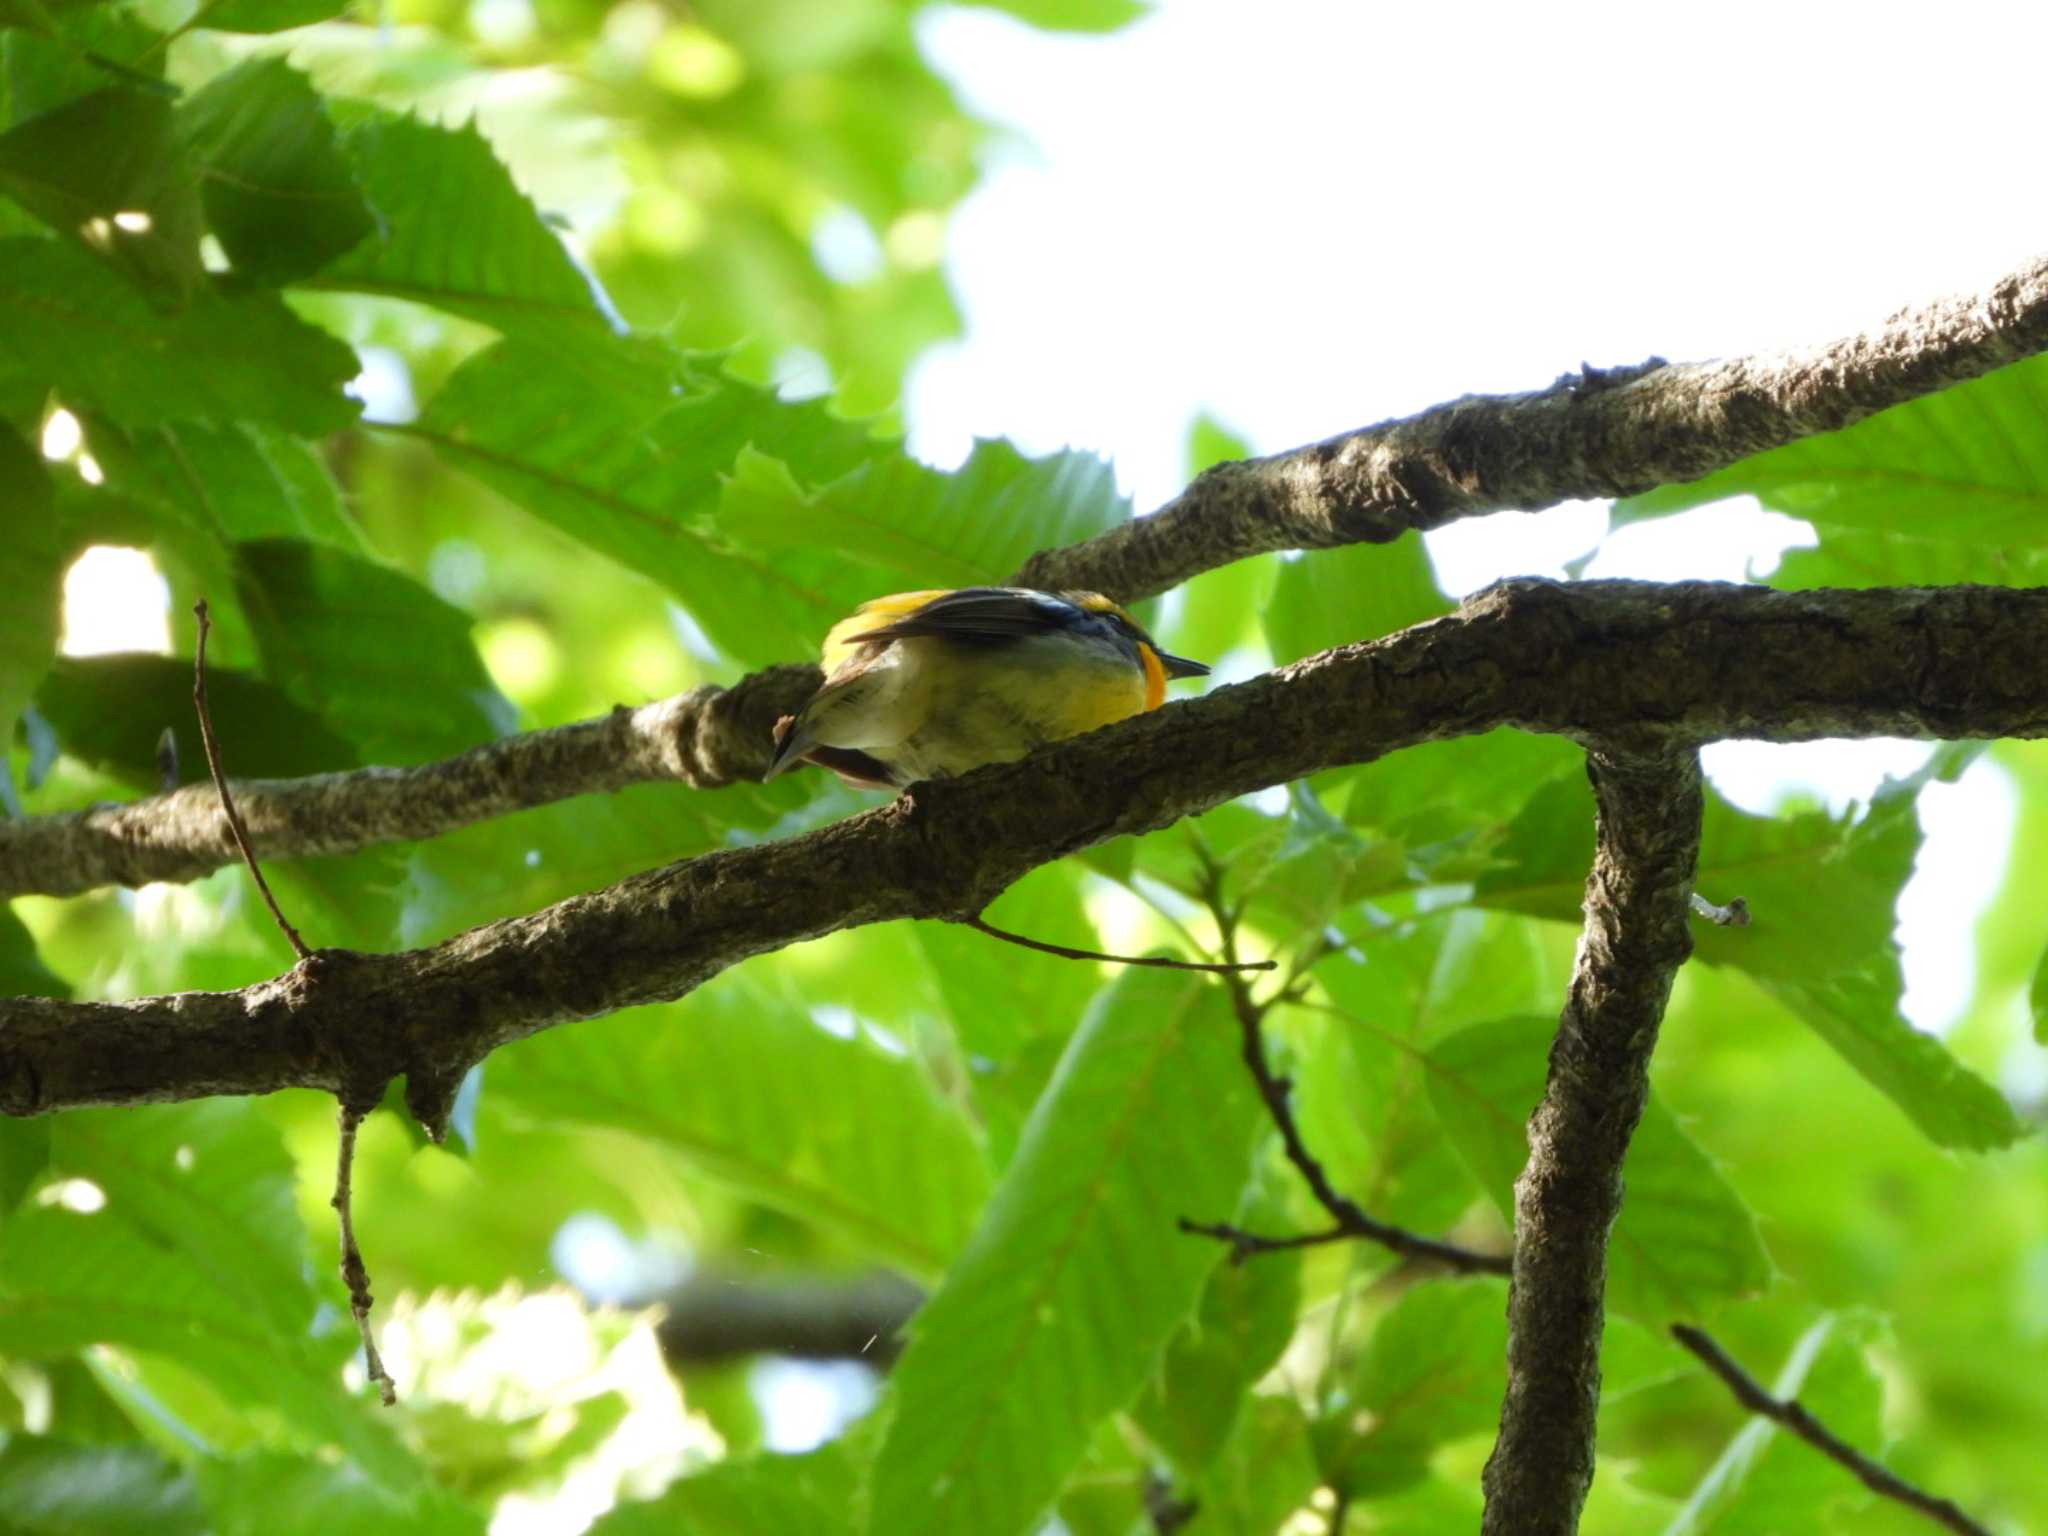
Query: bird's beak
x,y
1180,666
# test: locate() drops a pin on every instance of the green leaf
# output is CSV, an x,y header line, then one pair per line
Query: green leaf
x,y
1684,1241
1840,976
1265,1473
1209,443
2037,998
1076,1276
1336,596
57,1488
625,444
267,1494
109,711
1857,1012
264,15
1433,1372
197,483
197,1255
33,554
1767,1481
1965,464
1070,15
1239,1328
748,1089
22,972
995,1000
385,662
814,1494
278,194
69,323
498,263
107,170
68,50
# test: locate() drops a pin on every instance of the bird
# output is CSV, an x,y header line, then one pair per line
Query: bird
x,y
922,685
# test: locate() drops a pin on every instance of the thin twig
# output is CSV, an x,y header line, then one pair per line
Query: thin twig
x,y
1163,962
220,785
1734,915
354,1273
1791,1416
1277,1092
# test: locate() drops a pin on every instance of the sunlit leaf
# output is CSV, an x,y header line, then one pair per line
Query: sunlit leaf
x,y
1684,1241
69,322
60,1488
1076,1275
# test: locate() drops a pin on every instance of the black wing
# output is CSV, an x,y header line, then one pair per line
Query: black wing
x,y
985,614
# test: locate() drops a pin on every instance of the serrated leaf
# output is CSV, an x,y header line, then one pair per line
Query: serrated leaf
x,y
278,194
498,263
1966,464
58,1488
65,51
107,170
1840,976
1433,1372
1767,1481
194,490
749,1090
1857,1012
625,444
1684,1241
390,666
68,322
1075,1276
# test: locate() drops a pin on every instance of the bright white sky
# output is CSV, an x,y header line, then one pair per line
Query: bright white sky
x,y
1306,215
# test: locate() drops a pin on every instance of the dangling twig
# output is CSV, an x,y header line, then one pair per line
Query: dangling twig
x,y
220,785
354,1272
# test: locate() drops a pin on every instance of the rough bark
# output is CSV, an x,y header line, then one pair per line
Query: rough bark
x,y
1626,667
1592,433
1636,936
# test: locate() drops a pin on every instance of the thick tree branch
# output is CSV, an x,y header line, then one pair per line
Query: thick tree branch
x,y
1636,936
1595,433
1627,667
704,738
1592,433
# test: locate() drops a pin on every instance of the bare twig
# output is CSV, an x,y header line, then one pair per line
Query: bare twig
x,y
1163,962
1276,1092
1791,1416
354,1273
220,785
1734,915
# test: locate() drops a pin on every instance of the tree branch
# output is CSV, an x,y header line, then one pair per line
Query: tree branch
x,y
1791,1416
1636,936
722,1316
1593,433
704,738
1626,666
